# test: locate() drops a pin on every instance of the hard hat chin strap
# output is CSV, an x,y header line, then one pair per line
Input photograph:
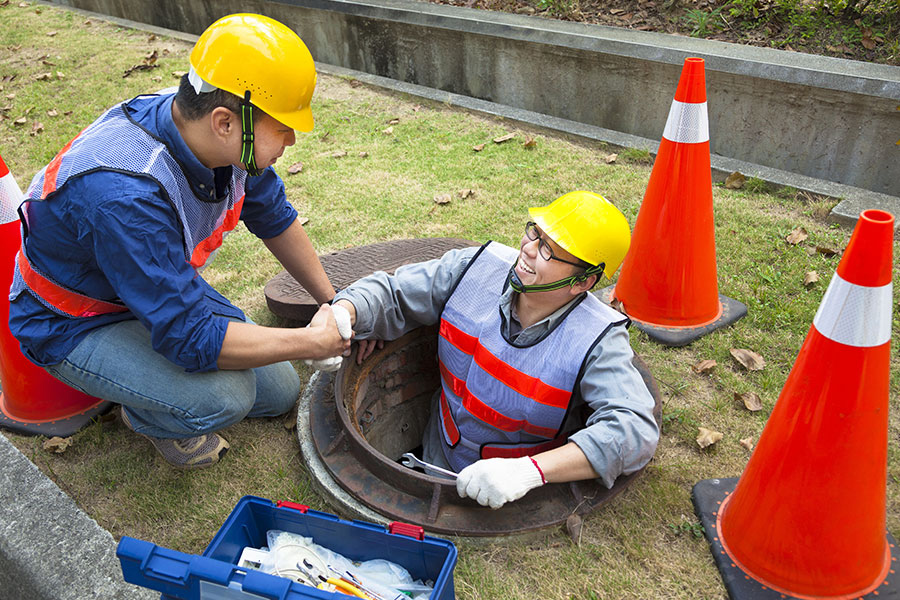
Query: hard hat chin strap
x,y
516,284
248,157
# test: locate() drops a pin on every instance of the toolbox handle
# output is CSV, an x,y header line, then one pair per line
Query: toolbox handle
x,y
413,531
286,504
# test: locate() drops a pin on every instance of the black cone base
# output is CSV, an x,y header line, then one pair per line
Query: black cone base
x,y
707,496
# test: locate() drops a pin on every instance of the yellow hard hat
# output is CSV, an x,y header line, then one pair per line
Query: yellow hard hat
x,y
247,52
588,226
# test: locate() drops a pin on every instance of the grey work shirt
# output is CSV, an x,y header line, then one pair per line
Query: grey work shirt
x,y
620,435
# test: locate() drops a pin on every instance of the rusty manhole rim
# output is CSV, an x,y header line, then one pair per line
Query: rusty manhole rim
x,y
359,477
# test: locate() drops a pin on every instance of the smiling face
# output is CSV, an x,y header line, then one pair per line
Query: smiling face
x,y
533,269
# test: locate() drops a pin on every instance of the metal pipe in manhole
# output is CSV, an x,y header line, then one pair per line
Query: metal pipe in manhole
x,y
365,417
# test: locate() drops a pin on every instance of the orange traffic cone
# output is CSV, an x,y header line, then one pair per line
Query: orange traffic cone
x,y
32,401
808,516
668,284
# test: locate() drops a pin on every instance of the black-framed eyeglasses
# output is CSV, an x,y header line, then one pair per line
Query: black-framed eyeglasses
x,y
544,249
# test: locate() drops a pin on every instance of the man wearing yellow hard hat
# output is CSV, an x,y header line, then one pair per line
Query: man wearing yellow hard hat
x,y
522,348
107,294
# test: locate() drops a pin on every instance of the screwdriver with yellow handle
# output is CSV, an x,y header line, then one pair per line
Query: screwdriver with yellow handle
x,y
340,585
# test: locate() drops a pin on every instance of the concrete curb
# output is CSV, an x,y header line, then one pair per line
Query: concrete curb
x,y
49,548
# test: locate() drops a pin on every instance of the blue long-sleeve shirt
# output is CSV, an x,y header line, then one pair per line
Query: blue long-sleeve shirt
x,y
113,235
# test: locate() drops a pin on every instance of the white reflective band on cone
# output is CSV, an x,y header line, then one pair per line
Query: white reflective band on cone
x,y
688,123
10,199
855,315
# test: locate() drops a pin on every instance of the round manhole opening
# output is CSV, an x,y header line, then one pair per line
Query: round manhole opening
x,y
361,420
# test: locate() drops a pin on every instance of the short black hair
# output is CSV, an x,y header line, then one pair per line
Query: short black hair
x,y
196,106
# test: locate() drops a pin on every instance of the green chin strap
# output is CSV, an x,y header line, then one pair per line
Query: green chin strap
x,y
516,284
247,154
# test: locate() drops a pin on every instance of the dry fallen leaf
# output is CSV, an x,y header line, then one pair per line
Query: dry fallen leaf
x,y
60,75
811,278
735,181
388,131
478,148
20,121
43,76
295,168
303,220
611,158
705,366
47,63
290,419
355,83
463,194
36,128
747,443
338,154
151,58
51,33
575,525
616,304
748,359
796,236
417,108
750,400
156,78
504,138
708,437
394,121
825,251
178,74
363,154
151,37
140,67
442,199
530,142
57,444
11,96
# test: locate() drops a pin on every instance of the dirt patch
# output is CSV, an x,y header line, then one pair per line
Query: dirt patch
x,y
806,27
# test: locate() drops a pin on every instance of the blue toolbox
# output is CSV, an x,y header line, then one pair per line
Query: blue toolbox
x,y
215,575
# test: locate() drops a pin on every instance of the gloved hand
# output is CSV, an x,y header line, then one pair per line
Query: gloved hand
x,y
342,318
495,481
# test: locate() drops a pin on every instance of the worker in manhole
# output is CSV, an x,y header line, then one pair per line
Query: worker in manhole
x,y
522,348
108,296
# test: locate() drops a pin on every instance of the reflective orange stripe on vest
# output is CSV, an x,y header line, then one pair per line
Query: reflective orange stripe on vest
x,y
488,415
526,385
67,301
52,170
214,240
518,451
449,424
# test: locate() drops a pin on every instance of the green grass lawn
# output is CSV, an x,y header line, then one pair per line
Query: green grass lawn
x,y
371,170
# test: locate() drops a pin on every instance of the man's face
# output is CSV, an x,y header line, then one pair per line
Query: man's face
x,y
533,269
270,139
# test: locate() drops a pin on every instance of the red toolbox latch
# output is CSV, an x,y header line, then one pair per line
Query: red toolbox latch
x,y
413,531
284,503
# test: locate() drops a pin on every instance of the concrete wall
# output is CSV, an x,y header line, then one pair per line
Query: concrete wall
x,y
819,117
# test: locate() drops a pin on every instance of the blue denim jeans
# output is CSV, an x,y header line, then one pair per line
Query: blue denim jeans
x,y
118,363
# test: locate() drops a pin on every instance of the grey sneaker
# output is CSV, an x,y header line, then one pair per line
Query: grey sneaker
x,y
187,453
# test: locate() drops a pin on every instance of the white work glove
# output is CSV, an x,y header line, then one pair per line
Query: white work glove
x,y
495,481
342,318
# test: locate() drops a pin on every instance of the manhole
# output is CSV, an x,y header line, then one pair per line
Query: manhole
x,y
363,418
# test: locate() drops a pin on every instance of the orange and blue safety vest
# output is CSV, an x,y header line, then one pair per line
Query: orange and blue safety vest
x,y
113,230
204,224
499,399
